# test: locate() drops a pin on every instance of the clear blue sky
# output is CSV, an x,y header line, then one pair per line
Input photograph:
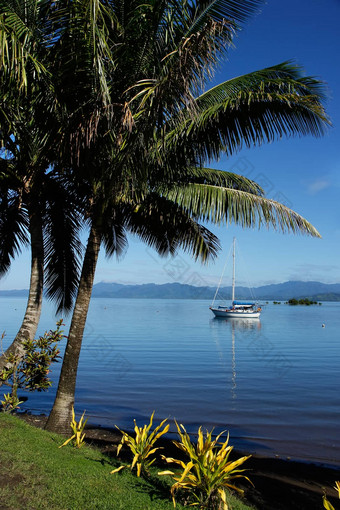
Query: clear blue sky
x,y
304,173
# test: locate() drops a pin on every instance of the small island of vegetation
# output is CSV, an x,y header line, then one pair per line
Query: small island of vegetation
x,y
304,301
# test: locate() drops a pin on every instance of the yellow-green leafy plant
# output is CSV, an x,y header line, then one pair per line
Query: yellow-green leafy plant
x,y
142,445
208,473
78,431
10,403
326,503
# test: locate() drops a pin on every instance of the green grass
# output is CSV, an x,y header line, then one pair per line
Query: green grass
x,y
35,474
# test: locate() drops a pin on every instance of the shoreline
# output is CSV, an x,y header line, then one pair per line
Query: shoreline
x,y
279,484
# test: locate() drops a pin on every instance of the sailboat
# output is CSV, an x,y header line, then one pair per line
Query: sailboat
x,y
238,309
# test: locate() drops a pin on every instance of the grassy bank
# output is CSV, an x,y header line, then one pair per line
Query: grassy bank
x,y
36,474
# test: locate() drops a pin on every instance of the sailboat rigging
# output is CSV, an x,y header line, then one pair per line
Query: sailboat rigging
x,y
238,309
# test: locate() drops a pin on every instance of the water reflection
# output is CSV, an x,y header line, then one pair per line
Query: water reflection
x,y
233,325
233,364
240,324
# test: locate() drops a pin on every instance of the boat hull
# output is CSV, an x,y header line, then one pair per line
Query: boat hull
x,y
235,314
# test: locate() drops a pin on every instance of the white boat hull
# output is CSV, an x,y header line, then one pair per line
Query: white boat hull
x,y
235,314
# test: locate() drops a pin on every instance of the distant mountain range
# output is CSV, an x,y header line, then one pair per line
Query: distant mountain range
x,y
280,291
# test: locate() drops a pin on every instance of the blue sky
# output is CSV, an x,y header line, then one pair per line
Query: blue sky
x,y
303,173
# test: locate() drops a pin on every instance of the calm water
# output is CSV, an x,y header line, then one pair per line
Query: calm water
x,y
274,383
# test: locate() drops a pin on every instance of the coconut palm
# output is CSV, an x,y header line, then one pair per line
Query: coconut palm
x,y
154,127
20,219
38,207
43,214
128,80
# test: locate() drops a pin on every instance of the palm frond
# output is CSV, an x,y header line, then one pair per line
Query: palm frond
x,y
63,249
286,77
221,178
224,205
183,71
180,42
239,10
18,40
250,110
114,236
198,241
99,17
167,227
13,229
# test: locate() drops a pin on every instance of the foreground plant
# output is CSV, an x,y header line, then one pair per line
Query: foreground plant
x,y
142,445
78,431
30,371
10,403
208,473
326,503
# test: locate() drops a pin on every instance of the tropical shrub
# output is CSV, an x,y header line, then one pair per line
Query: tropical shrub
x,y
78,431
30,372
142,445
208,472
10,403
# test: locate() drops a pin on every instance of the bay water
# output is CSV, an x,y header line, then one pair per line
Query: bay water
x,y
273,383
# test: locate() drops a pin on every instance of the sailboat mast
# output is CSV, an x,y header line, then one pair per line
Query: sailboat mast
x,y
233,282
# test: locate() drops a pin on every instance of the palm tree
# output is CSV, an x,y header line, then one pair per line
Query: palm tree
x,y
127,81
45,215
20,219
154,127
37,206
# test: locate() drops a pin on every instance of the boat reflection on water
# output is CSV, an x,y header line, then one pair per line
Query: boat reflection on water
x,y
233,325
242,325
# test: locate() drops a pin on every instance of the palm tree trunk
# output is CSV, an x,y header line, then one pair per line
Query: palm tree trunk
x,y
34,303
61,414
